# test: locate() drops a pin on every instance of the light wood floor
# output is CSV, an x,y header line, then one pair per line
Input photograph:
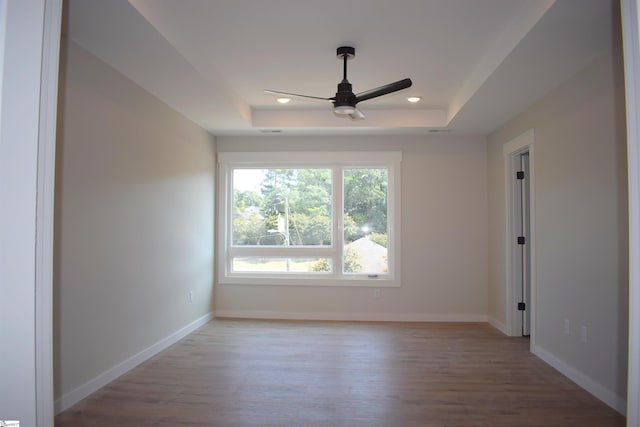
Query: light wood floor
x,y
270,373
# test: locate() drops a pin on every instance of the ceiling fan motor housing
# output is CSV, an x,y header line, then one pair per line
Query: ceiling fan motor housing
x,y
345,100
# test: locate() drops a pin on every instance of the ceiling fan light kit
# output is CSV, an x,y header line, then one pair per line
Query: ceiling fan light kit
x,y
344,109
345,101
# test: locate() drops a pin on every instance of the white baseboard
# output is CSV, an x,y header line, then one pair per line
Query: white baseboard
x,y
364,317
589,384
498,325
74,396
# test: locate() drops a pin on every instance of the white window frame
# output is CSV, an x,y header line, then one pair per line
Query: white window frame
x,y
391,160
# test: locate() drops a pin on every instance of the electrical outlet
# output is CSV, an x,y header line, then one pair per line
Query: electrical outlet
x,y
567,327
583,333
377,293
190,297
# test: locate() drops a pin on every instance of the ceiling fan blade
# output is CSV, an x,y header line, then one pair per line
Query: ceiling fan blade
x,y
356,115
275,92
384,90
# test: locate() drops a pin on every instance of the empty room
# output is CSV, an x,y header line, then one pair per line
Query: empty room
x,y
337,213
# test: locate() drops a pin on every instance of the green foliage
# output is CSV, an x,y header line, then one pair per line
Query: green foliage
x,y
351,230
248,227
304,196
352,261
311,194
365,197
306,191
310,230
379,238
322,265
275,189
271,222
245,199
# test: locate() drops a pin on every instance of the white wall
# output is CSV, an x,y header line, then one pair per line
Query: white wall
x,y
134,222
581,226
443,242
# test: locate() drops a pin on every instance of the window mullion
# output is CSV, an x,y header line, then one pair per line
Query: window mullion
x,y
280,251
227,172
338,238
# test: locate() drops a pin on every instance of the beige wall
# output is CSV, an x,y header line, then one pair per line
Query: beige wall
x,y
134,221
443,242
581,225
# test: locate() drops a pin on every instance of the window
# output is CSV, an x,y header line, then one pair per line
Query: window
x,y
327,218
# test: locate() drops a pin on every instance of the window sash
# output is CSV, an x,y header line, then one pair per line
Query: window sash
x,y
285,206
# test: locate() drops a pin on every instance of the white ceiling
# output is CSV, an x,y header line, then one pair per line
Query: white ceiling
x,y
475,63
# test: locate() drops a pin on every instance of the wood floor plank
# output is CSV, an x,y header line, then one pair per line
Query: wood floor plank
x,y
332,374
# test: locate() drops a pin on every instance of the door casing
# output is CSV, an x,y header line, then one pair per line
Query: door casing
x,y
511,151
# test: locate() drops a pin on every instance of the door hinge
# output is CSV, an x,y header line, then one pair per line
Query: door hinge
x,y
520,175
522,306
521,240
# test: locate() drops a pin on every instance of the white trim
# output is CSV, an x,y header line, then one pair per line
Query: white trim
x,y
30,39
519,143
631,43
361,317
44,213
74,396
498,325
523,143
309,157
589,384
308,281
335,160
3,34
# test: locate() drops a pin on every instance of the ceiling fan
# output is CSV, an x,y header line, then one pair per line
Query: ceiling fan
x,y
345,101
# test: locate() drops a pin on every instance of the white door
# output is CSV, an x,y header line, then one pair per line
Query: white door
x,y
524,241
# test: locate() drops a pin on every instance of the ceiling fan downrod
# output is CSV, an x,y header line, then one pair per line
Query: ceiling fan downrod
x,y
345,53
345,100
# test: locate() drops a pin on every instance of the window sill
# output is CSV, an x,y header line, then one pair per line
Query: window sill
x,y
379,282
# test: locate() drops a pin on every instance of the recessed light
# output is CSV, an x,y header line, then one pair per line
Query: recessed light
x,y
283,100
414,99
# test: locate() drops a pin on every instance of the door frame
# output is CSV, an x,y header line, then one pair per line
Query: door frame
x,y
511,150
631,44
29,57
46,163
